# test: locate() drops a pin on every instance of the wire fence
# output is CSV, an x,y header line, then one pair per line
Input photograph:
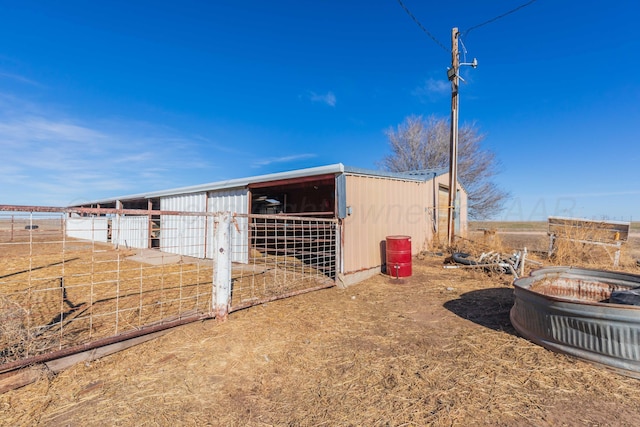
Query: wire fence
x,y
69,277
287,256
59,291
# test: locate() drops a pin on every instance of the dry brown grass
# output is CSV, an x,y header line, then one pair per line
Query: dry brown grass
x,y
56,296
570,249
14,332
62,293
585,246
433,349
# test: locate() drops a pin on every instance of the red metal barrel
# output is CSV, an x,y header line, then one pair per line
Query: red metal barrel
x,y
399,256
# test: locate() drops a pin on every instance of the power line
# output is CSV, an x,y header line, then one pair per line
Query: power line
x,y
465,32
422,27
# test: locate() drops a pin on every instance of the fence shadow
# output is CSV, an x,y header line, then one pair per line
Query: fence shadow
x,y
486,307
38,268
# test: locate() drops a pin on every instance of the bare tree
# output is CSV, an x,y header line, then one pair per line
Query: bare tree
x,y
420,143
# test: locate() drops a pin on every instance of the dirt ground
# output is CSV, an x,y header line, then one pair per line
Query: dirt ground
x,y
436,348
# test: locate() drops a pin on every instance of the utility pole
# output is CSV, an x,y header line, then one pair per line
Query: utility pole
x,y
454,75
453,149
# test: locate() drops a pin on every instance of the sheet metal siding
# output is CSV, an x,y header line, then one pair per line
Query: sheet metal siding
x,y
574,321
130,231
381,207
341,198
234,201
337,168
464,212
183,235
442,212
237,183
90,228
462,222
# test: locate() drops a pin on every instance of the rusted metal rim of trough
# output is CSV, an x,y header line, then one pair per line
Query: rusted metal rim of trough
x,y
566,309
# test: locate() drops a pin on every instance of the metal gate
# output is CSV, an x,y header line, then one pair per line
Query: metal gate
x,y
287,256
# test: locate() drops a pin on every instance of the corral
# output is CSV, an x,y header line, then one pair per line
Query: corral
x,y
63,296
368,205
106,273
433,349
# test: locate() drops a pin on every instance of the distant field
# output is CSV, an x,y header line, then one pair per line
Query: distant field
x,y
522,226
508,225
533,235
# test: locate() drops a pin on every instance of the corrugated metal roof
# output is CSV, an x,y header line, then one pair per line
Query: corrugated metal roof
x,y
337,168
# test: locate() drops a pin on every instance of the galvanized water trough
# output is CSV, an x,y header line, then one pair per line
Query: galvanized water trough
x,y
568,310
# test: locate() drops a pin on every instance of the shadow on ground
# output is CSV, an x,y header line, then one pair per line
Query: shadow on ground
x,y
486,307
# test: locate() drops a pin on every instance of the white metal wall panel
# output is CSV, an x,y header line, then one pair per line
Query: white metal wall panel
x,y
130,231
183,234
234,201
88,228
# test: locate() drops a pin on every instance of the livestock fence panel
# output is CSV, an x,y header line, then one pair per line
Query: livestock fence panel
x,y
77,278
287,255
68,279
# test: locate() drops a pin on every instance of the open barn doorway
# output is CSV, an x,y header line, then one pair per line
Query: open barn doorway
x,y
289,220
308,196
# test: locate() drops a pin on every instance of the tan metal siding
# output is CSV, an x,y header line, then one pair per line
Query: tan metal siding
x,y
442,212
381,207
464,218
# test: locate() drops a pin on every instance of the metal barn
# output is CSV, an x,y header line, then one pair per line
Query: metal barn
x,y
366,206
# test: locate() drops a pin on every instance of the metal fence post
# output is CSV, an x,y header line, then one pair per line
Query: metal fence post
x,y
222,265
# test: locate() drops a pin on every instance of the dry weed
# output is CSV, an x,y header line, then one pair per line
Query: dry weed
x,y
434,349
587,245
14,332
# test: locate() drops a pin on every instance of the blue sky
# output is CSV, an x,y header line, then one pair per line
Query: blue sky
x,y
108,98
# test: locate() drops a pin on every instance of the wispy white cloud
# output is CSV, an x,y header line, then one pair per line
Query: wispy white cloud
x,y
19,78
283,159
53,160
603,194
328,98
144,156
432,90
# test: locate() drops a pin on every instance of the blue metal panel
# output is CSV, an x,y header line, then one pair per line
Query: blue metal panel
x,y
341,195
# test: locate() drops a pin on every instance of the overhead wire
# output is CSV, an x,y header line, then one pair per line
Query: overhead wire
x,y
422,26
465,32
522,6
